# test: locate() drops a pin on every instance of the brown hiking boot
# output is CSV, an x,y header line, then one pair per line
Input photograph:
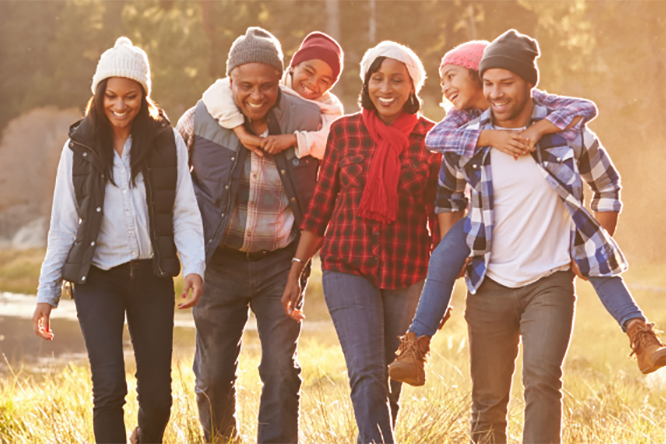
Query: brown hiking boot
x,y
649,350
409,366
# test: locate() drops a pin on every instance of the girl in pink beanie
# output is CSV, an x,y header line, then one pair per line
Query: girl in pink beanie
x,y
314,69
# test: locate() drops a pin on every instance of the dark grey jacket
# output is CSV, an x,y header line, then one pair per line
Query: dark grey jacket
x,y
217,158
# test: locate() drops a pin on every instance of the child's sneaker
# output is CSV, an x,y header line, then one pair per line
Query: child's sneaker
x,y
649,350
409,366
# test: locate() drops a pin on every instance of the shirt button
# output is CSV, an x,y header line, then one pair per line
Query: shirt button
x,y
376,233
83,278
282,172
92,244
71,144
559,159
252,204
226,187
125,191
133,253
131,232
293,199
254,175
99,209
127,213
474,166
85,154
221,214
233,158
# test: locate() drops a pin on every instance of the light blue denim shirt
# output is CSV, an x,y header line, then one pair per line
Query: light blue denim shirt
x,y
124,234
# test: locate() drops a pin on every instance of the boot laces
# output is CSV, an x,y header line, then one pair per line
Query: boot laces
x,y
408,347
644,337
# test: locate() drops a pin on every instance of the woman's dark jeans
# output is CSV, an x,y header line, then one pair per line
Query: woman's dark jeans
x,y
131,290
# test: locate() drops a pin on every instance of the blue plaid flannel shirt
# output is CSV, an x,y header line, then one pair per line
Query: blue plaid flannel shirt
x,y
564,164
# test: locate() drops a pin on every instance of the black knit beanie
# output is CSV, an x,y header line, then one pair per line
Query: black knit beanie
x,y
515,52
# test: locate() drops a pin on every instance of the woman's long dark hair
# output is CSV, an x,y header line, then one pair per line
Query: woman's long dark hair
x,y
412,106
144,128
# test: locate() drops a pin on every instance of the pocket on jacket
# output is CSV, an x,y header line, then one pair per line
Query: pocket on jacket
x,y
351,171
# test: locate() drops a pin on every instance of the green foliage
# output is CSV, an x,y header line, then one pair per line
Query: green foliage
x,y
611,52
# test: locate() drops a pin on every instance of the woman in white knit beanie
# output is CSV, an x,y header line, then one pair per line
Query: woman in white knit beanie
x,y
374,202
123,207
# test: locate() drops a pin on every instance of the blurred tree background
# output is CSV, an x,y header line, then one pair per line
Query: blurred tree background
x,y
612,52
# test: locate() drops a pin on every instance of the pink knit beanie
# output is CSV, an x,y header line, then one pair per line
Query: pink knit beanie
x,y
468,55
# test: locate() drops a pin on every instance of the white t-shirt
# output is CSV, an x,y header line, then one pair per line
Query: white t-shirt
x,y
532,227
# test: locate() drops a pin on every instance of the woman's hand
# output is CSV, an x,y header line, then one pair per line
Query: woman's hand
x,y
41,321
293,294
192,282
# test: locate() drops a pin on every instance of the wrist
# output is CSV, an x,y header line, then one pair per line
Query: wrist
x,y
297,268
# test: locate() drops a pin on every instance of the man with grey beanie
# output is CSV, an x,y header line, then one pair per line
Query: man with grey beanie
x,y
252,204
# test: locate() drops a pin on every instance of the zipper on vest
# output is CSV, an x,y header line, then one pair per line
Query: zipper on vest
x,y
151,222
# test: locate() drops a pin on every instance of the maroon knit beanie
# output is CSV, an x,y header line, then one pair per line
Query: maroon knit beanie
x,y
468,55
320,46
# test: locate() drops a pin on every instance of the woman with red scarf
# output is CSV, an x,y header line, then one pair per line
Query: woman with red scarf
x,y
374,205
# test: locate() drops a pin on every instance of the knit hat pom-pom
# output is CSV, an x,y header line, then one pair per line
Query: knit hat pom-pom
x,y
123,41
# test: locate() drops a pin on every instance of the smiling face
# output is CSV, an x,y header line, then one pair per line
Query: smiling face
x,y
255,89
460,89
311,79
122,101
389,89
509,97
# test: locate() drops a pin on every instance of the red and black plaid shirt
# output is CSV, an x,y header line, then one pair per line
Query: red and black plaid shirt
x,y
391,255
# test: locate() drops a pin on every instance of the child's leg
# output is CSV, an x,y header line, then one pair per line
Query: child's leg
x,y
445,264
617,299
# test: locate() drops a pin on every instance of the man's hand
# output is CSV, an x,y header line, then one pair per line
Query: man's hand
x,y
576,270
464,268
277,144
509,142
249,141
446,317
292,296
41,321
192,282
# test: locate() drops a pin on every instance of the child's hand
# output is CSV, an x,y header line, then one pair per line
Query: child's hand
x,y
532,135
509,142
277,144
249,141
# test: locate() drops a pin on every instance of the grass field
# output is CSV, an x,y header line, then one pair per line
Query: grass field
x,y
607,400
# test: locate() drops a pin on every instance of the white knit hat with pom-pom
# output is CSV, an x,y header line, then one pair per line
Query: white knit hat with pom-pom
x,y
123,60
400,53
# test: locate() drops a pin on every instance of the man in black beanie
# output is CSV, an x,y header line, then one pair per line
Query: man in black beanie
x,y
526,222
252,205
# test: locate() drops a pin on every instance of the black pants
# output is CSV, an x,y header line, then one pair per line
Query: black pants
x,y
131,290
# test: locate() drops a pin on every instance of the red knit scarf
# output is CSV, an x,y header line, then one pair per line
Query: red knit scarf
x,y
380,195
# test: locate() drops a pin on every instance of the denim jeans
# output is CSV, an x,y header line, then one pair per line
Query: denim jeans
x,y
233,286
448,259
369,321
498,317
130,290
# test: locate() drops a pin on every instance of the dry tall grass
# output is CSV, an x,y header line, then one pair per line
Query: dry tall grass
x,y
606,399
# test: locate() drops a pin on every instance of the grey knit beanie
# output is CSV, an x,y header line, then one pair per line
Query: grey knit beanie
x,y
256,46
514,52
